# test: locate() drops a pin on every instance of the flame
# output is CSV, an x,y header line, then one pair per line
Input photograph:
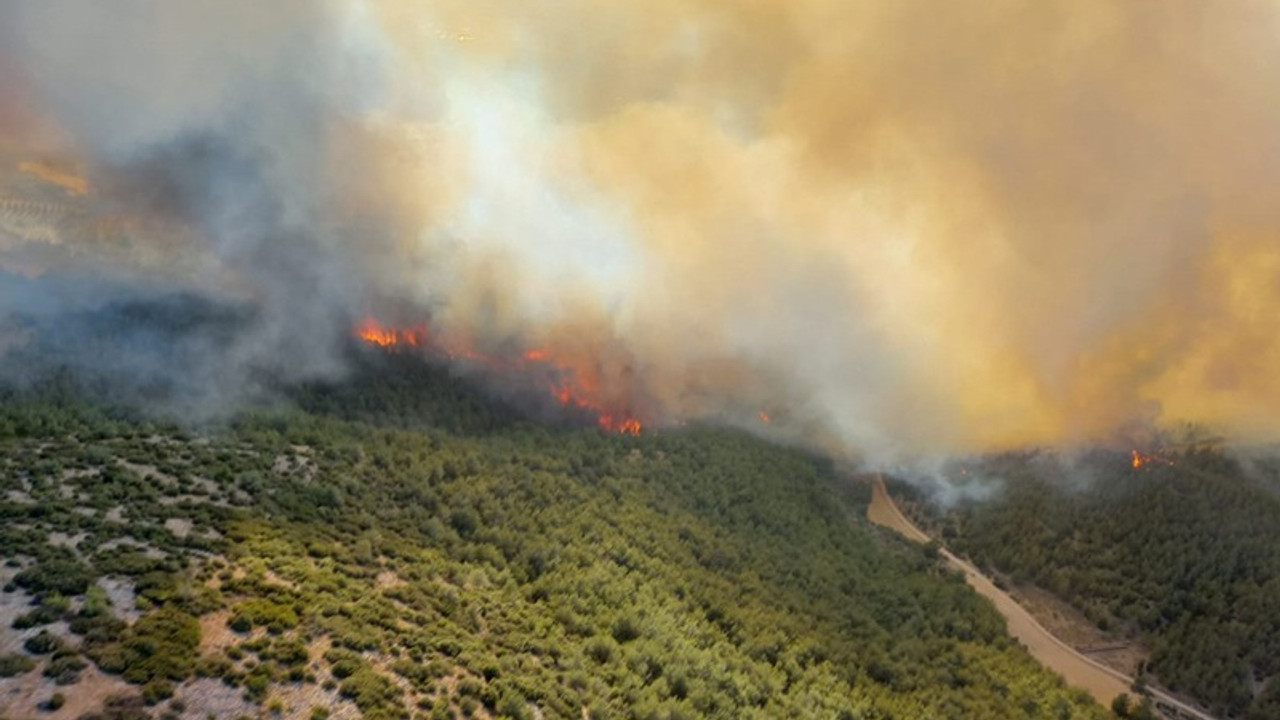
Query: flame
x,y
575,387
1141,459
375,333
628,426
764,417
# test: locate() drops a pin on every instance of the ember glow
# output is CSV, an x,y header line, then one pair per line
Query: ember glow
x,y
685,211
574,387
375,333
1141,459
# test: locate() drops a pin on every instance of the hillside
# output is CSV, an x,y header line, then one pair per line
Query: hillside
x,y
406,548
1178,550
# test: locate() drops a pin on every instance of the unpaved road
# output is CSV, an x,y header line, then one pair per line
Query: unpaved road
x,y
1100,681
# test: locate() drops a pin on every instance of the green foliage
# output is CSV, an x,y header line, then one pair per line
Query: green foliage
x,y
35,618
63,576
159,646
262,612
435,541
288,652
1182,553
373,693
44,643
65,668
13,664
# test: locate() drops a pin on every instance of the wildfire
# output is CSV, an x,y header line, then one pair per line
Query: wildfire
x,y
375,333
1141,459
572,389
629,426
764,417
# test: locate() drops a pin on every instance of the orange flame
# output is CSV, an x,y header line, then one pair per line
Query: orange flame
x,y
375,333
1141,459
764,417
573,389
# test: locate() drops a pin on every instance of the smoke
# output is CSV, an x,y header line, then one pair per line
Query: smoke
x,y
904,229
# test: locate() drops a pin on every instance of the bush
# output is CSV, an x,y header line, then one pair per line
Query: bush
x,y
600,651
370,691
67,577
625,630
161,645
55,701
289,653
34,618
276,617
513,705
257,683
157,690
343,663
43,643
65,669
14,664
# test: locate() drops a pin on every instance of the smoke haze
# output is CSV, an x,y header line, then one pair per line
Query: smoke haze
x,y
902,228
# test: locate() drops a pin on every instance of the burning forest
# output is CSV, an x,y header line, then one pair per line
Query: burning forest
x,y
390,288
689,217
576,388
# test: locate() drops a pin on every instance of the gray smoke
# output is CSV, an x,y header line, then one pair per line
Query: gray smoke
x,y
903,229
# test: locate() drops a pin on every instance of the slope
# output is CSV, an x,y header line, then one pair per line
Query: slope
x,y
298,564
1179,551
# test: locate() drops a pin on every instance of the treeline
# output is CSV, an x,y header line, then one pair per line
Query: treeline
x,y
418,551
1182,552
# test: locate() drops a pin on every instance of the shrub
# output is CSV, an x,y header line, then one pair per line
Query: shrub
x,y
156,690
34,618
343,663
289,653
600,651
625,630
257,683
14,664
276,617
43,643
161,645
67,577
65,669
370,691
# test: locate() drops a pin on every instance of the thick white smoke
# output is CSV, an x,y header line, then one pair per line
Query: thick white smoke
x,y
903,228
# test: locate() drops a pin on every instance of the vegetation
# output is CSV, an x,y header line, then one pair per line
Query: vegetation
x,y
12,664
1181,552
460,562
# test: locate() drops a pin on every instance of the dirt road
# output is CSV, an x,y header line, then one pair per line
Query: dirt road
x,y
1098,680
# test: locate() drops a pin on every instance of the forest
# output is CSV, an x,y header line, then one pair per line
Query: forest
x,y
1176,547
399,545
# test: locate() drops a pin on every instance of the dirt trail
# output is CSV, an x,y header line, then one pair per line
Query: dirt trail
x,y
1100,681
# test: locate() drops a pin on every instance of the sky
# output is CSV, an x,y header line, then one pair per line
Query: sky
x,y
904,229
